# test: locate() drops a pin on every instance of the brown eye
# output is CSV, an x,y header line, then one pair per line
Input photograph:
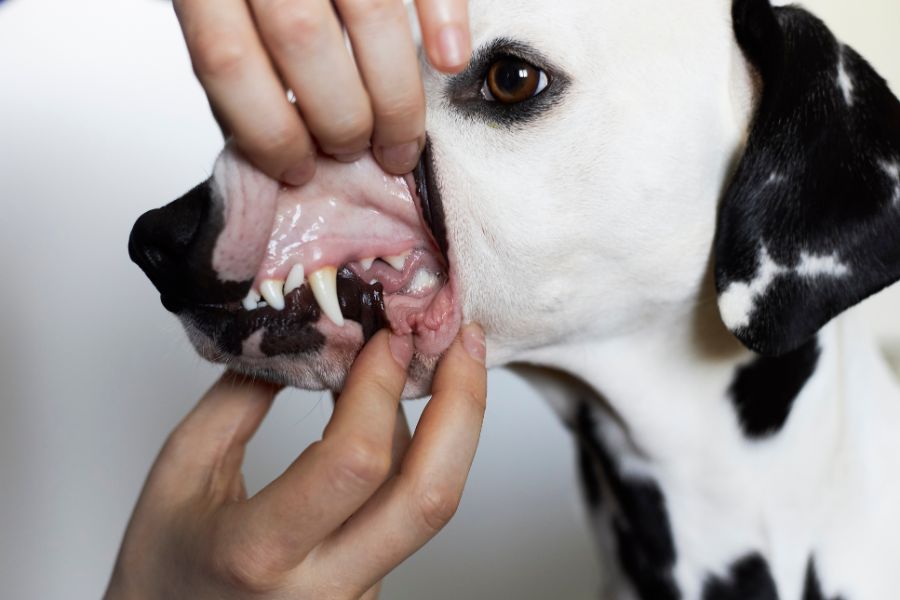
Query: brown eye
x,y
511,80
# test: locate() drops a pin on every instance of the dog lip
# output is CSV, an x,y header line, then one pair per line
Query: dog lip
x,y
430,198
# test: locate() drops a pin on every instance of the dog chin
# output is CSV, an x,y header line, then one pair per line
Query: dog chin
x,y
325,369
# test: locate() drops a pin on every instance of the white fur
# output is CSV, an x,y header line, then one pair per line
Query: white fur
x,y
812,265
582,243
892,170
844,81
738,302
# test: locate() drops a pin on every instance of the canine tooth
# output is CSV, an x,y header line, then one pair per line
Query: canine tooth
x,y
271,291
294,279
251,300
324,287
397,261
366,263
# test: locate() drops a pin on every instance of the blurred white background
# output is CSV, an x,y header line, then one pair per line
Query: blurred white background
x,y
100,120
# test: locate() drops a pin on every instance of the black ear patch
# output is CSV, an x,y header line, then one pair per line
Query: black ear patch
x,y
810,224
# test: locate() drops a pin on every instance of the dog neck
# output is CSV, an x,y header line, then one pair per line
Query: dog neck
x,y
701,459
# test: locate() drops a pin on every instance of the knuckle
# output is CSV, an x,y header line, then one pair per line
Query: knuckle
x,y
277,140
369,10
475,400
434,504
361,464
176,445
294,24
241,568
401,109
351,131
217,53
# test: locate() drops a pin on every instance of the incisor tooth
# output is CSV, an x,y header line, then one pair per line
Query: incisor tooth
x,y
294,279
251,300
397,261
324,287
366,263
271,291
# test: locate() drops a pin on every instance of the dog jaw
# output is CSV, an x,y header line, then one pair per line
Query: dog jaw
x,y
338,259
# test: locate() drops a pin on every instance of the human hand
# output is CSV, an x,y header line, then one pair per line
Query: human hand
x,y
347,511
245,53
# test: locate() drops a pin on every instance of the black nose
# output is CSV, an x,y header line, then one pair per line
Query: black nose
x,y
173,245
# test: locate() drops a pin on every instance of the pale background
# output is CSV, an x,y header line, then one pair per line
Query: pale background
x,y
100,119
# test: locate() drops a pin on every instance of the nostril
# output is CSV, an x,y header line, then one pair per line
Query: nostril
x,y
162,238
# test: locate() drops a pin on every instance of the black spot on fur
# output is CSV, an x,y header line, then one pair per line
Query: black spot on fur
x,y
812,178
812,589
763,391
644,538
590,481
748,579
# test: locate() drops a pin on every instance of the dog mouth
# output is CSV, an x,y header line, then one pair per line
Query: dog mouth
x,y
350,253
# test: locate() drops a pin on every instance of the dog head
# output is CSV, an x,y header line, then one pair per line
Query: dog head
x,y
572,189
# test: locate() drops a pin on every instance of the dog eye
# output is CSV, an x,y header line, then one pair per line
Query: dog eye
x,y
511,80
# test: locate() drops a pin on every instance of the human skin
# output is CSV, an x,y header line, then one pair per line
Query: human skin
x,y
247,53
348,510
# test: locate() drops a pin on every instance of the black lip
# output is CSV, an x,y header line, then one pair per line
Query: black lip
x,y
430,197
291,330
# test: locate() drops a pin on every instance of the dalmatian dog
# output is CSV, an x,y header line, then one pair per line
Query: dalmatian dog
x,y
659,212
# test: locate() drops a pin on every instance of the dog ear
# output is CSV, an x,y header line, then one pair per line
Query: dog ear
x,y
810,223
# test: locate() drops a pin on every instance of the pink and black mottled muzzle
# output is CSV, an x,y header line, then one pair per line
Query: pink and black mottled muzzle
x,y
288,283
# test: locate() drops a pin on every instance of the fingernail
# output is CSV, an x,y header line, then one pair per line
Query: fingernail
x,y
451,46
350,158
401,348
401,158
300,174
473,342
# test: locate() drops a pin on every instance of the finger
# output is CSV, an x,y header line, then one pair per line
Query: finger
x,y
445,33
250,101
401,443
412,507
308,46
386,57
373,592
331,479
205,451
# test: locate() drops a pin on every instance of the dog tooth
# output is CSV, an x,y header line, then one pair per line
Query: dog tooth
x,y
366,263
271,290
423,281
294,279
251,300
397,261
324,287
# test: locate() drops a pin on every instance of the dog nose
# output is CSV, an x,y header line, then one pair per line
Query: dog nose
x,y
173,246
161,238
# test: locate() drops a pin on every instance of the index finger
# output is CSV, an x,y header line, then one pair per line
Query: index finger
x,y
244,88
331,479
413,506
445,33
